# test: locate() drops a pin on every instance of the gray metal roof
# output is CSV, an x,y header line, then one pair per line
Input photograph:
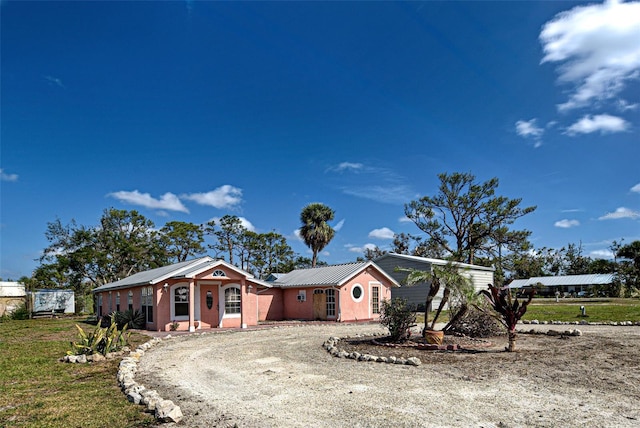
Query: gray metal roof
x,y
437,262
335,275
155,275
571,280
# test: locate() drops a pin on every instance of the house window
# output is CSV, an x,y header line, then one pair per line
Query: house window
x,y
375,299
232,300
181,301
331,302
218,273
357,293
147,303
118,301
110,303
100,305
130,300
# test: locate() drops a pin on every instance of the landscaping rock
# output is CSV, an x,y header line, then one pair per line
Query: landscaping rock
x,y
167,411
413,361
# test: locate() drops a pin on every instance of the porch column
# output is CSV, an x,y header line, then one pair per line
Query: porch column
x,y
192,305
243,299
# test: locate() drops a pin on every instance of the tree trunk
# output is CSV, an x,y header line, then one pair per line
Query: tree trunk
x,y
512,341
445,299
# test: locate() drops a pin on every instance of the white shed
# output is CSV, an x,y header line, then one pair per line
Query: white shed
x,y
12,295
480,276
53,300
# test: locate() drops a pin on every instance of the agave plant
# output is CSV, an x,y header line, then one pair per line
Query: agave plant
x,y
100,341
510,310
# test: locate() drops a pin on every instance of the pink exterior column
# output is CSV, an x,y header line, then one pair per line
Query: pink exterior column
x,y
243,305
192,305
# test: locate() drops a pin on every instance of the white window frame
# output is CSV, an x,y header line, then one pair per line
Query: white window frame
x,y
378,287
117,301
172,289
331,302
147,302
222,301
130,300
355,287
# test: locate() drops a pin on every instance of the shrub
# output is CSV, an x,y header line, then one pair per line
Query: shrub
x,y
100,341
398,317
129,318
19,313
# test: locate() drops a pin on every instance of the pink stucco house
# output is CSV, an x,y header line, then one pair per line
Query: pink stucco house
x,y
206,293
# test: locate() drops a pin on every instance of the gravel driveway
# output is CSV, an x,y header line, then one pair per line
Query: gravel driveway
x,y
282,377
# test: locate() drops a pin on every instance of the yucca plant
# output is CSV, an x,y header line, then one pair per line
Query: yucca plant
x,y
509,310
100,341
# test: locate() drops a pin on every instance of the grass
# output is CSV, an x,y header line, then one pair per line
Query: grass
x,y
546,309
597,310
36,390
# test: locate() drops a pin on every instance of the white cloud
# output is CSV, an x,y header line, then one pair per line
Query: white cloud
x,y
362,249
338,226
382,233
386,193
168,201
597,49
226,196
602,122
619,213
566,223
344,166
528,128
7,177
405,219
54,81
636,188
601,254
243,221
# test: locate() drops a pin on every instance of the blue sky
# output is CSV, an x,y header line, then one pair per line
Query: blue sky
x,y
192,110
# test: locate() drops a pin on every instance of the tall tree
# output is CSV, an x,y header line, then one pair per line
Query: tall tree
x,y
466,218
228,234
315,231
182,240
125,242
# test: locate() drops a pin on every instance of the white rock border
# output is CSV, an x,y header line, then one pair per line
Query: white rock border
x,y
163,410
333,350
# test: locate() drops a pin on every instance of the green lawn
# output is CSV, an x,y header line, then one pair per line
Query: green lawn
x,y
36,390
597,310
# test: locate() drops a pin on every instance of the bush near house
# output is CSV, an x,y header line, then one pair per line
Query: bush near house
x,y
36,390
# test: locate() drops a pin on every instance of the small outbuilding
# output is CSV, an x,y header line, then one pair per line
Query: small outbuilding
x,y
565,285
12,296
480,276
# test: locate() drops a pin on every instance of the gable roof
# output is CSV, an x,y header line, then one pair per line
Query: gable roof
x,y
335,275
571,280
186,269
437,262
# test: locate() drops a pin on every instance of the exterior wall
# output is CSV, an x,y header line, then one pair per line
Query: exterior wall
x,y
270,305
417,294
9,304
352,309
294,309
49,300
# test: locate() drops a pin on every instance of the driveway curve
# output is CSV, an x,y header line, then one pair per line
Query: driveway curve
x,y
282,377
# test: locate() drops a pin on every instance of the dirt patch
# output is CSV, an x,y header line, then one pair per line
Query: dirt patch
x,y
282,377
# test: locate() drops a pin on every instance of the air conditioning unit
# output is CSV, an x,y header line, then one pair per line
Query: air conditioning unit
x,y
301,297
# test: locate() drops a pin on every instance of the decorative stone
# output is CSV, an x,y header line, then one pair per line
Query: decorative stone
x,y
166,411
413,361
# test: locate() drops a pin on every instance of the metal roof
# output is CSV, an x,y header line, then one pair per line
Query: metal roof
x,y
437,262
335,275
571,280
155,275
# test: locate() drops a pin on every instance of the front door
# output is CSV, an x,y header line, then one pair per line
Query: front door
x,y
319,305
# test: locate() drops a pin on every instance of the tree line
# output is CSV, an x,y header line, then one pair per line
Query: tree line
x,y
464,221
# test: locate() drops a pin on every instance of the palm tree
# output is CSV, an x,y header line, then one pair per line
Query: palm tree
x,y
315,230
454,283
